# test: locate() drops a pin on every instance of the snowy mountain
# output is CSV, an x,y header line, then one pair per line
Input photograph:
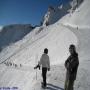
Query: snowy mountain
x,y
55,13
80,16
18,59
13,33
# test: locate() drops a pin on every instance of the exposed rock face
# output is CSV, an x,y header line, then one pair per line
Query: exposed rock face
x,y
55,13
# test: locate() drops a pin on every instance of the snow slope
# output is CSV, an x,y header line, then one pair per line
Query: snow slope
x,y
56,38
11,34
80,17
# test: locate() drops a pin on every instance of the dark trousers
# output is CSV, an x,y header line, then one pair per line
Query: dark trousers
x,y
69,83
44,72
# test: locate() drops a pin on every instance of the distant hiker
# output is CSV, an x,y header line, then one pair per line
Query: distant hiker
x,y
71,65
16,65
10,63
45,63
77,28
47,23
20,65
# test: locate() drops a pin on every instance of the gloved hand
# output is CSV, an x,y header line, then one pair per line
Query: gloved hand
x,y
48,69
37,66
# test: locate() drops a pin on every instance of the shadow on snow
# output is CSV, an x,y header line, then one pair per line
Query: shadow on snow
x,y
53,87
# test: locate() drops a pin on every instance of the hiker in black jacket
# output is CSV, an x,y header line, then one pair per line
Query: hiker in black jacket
x,y
71,65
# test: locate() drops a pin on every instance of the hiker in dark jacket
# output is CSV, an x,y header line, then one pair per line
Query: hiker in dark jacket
x,y
71,65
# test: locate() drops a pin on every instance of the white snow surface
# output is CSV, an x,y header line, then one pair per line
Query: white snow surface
x,y
80,17
72,28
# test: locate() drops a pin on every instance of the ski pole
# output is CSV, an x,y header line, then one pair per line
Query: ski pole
x,y
36,63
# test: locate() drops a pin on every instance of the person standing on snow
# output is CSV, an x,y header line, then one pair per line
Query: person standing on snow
x,y
71,65
45,63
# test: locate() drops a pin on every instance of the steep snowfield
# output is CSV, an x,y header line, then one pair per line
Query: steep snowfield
x,y
30,51
78,22
9,35
56,38
80,17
